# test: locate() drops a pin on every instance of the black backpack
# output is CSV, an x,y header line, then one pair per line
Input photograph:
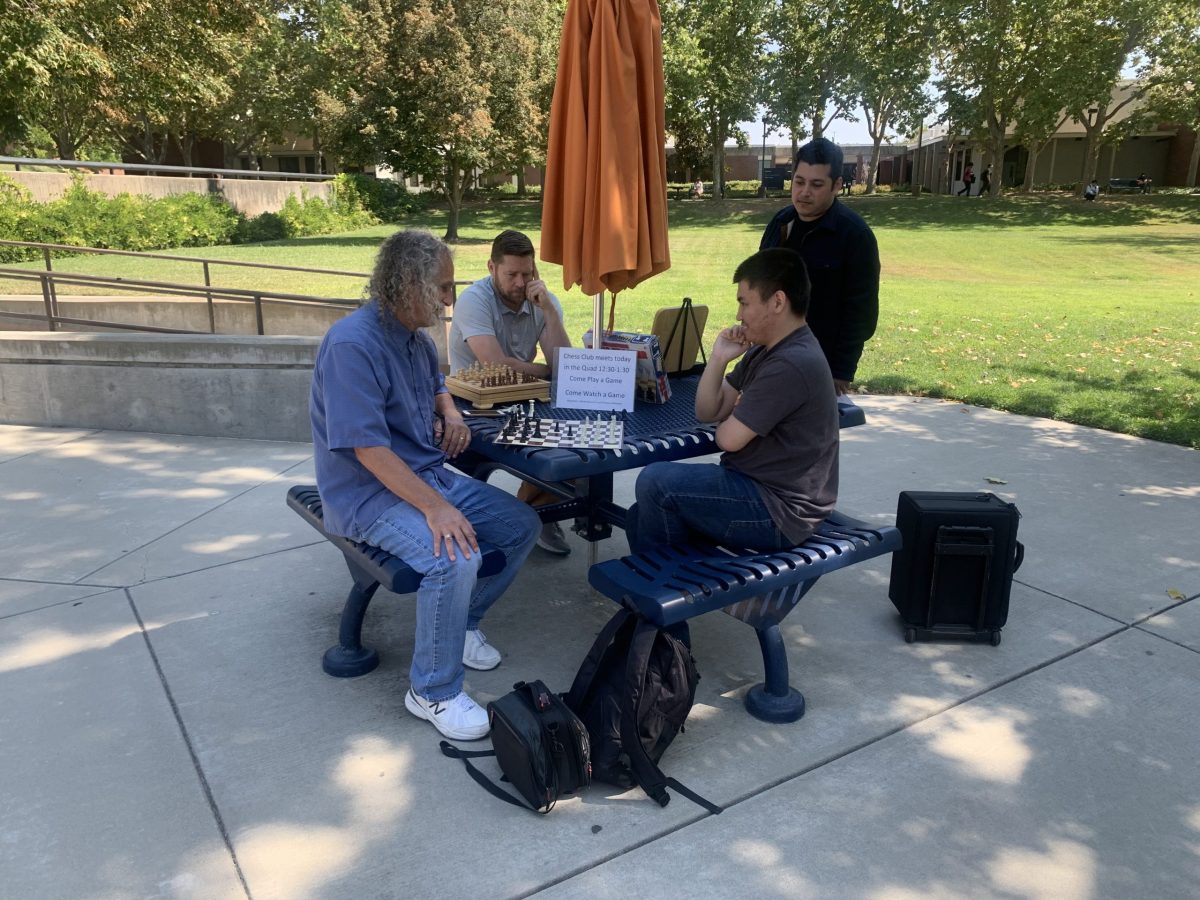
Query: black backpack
x,y
541,746
633,692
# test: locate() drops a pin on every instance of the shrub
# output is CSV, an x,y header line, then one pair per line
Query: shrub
x,y
267,226
86,218
312,215
384,199
747,188
15,209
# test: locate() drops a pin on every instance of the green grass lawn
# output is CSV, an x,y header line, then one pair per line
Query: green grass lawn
x,y
1043,305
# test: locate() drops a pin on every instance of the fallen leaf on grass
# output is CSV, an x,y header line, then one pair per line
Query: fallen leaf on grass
x,y
990,480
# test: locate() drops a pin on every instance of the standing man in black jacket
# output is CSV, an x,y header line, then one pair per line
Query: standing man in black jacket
x,y
840,252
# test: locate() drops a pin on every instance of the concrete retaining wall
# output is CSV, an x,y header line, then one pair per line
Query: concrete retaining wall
x,y
246,196
217,385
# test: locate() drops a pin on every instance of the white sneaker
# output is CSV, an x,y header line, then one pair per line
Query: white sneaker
x,y
460,718
478,653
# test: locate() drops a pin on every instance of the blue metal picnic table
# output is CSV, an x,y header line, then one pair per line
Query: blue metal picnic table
x,y
584,477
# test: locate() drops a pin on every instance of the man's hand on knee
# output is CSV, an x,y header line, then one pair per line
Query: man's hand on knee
x,y
450,527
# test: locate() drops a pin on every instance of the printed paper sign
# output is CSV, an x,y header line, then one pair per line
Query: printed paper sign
x,y
595,379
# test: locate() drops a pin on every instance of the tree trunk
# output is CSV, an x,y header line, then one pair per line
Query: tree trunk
x,y
996,161
322,168
454,199
1030,169
872,172
521,180
1194,162
718,158
64,146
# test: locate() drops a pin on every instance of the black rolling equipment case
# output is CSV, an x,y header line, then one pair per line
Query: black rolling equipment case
x,y
954,575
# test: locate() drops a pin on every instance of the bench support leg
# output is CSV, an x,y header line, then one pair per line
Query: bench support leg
x,y
350,658
774,700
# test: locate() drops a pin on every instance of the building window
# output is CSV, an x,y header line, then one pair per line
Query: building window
x,y
289,164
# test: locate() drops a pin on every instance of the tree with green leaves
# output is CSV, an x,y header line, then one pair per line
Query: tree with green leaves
x,y
713,55
1174,93
526,91
896,38
808,78
988,63
172,65
1118,30
438,88
55,73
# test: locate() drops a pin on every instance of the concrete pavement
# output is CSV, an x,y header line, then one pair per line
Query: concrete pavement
x,y
166,730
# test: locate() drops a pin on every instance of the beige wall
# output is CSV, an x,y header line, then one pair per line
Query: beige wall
x,y
251,197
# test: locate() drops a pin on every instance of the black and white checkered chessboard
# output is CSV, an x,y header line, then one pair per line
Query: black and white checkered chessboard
x,y
523,430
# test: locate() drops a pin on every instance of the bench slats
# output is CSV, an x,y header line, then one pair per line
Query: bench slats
x,y
672,584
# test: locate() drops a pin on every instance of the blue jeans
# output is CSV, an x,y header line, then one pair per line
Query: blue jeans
x,y
451,598
680,501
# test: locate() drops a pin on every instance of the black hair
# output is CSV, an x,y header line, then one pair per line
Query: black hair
x,y
777,269
820,151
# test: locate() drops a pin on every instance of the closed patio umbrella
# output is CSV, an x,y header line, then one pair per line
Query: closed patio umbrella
x,y
604,213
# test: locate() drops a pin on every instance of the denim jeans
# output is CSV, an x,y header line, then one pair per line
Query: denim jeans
x,y
452,598
680,501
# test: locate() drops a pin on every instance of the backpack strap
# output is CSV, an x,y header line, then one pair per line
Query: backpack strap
x,y
582,686
482,780
646,773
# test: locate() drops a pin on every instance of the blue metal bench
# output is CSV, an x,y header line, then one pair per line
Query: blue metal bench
x,y
672,584
370,567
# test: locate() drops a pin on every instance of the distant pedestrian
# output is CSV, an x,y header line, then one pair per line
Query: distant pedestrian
x,y
1143,183
1091,191
985,181
968,179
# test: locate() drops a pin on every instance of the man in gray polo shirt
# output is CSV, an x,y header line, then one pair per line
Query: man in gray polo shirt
x,y
505,318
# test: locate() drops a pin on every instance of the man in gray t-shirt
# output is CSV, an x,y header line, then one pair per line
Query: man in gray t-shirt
x,y
504,318
777,423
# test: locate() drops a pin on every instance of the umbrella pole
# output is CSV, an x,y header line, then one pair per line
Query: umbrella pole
x,y
597,344
598,321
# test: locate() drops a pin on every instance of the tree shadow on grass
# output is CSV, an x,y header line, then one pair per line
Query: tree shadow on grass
x,y
892,210
1154,241
1127,405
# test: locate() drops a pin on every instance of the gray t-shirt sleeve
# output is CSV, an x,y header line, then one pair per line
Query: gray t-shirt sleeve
x,y
473,314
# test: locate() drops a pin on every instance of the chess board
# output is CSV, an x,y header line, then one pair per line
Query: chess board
x,y
522,430
486,385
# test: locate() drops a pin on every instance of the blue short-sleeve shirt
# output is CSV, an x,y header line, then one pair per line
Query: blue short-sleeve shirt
x,y
373,386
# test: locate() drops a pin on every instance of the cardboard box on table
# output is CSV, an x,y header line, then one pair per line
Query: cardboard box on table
x,y
652,384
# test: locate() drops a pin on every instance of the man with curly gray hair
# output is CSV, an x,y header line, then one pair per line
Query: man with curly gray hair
x,y
383,429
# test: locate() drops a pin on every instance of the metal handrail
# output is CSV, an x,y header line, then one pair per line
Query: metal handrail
x,y
70,248
172,287
18,161
49,281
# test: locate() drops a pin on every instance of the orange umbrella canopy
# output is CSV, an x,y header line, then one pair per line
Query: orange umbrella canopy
x,y
604,212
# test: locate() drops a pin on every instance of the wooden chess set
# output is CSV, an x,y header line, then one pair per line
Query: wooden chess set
x,y
486,384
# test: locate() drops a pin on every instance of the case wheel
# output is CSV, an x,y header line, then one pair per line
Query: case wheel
x,y
995,639
910,635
